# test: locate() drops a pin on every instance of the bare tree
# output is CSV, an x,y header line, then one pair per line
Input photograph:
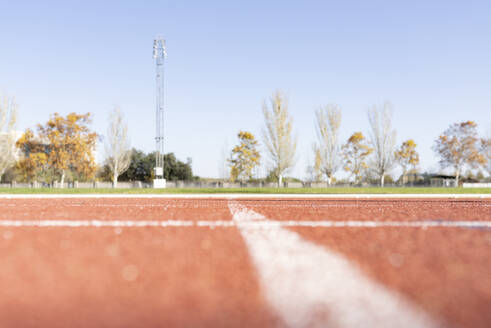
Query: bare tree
x,y
281,145
328,121
486,147
309,171
486,151
382,139
313,169
223,167
118,150
8,118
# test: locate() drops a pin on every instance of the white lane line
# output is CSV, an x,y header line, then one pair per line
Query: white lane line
x,y
94,223
310,286
200,205
263,224
244,196
250,224
382,224
125,205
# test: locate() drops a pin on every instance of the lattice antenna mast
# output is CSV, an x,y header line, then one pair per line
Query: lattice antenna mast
x,y
159,54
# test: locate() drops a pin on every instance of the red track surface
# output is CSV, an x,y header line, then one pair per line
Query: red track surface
x,y
201,277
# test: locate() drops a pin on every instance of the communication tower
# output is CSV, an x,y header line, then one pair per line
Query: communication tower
x,y
159,54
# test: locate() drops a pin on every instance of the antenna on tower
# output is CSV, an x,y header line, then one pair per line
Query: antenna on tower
x,y
159,54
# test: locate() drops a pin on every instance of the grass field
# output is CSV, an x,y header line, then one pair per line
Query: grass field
x,y
334,190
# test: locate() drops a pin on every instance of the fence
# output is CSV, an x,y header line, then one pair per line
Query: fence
x,y
169,184
211,185
188,184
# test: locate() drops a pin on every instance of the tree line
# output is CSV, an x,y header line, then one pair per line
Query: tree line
x,y
362,157
63,148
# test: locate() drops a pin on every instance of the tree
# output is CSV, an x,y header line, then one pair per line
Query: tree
x,y
223,165
310,173
382,139
355,152
277,134
117,146
407,156
8,118
141,168
458,147
314,170
34,156
67,144
245,157
328,121
176,170
485,148
317,164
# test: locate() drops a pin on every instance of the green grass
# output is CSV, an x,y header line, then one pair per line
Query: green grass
x,y
334,190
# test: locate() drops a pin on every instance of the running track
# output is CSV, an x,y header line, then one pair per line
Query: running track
x,y
227,261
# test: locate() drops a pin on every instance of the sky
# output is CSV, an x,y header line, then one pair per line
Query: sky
x,y
430,59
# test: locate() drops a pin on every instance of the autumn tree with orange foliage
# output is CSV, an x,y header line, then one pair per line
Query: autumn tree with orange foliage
x,y
34,156
458,147
245,157
355,153
407,157
63,144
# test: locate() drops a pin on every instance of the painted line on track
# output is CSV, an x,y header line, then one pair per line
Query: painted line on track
x,y
193,205
246,196
95,223
263,224
311,286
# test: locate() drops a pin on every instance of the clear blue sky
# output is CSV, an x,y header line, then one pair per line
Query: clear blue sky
x,y
431,59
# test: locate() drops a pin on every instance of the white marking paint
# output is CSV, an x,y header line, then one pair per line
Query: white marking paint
x,y
189,205
204,205
251,224
310,286
94,223
244,196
